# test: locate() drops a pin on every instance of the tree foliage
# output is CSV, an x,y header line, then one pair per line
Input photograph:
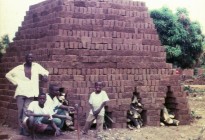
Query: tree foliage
x,y
181,37
4,42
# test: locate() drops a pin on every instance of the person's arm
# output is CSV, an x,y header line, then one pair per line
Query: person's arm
x,y
11,76
96,112
68,108
43,72
57,130
31,113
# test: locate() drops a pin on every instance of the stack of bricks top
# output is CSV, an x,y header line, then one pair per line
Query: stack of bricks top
x,y
81,42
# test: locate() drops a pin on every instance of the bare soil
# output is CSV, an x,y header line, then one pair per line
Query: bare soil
x,y
194,131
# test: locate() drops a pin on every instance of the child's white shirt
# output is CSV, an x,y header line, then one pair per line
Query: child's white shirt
x,y
96,100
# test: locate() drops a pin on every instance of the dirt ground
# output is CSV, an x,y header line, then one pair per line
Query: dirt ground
x,y
194,131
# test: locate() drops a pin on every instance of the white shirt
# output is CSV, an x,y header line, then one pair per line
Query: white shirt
x,y
96,100
36,109
25,86
52,103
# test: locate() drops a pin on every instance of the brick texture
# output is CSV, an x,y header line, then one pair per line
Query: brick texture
x,y
81,42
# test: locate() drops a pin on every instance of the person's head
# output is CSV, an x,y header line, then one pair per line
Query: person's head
x,y
41,99
98,87
54,90
29,58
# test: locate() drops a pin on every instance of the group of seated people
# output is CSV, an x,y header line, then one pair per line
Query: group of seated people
x,y
48,113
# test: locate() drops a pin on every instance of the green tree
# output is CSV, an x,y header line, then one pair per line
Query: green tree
x,y
4,43
181,37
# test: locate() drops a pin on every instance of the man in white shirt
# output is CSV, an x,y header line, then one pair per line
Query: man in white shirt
x,y
55,105
26,78
97,101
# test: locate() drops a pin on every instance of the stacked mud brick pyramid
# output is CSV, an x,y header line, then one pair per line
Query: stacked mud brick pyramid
x,y
83,41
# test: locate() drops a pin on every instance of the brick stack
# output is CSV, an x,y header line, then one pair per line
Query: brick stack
x,y
81,42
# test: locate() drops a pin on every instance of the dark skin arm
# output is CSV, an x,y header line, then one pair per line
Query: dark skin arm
x,y
96,112
30,113
68,108
44,78
57,130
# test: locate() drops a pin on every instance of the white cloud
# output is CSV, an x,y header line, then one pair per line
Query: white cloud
x,y
12,13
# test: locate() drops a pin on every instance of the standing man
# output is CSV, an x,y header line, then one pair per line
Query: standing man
x,y
26,79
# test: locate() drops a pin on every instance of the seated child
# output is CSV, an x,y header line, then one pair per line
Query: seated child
x,y
97,101
40,117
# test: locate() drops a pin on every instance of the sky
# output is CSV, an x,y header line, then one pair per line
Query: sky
x,y
12,12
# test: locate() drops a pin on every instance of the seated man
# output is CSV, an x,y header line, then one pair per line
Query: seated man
x,y
55,105
40,117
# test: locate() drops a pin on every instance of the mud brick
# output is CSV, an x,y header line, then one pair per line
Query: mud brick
x,y
181,100
55,77
78,78
73,102
121,119
111,102
184,122
153,123
4,136
146,100
125,107
181,106
152,113
84,96
161,94
160,101
117,125
114,89
66,77
4,103
156,88
97,40
107,40
118,114
118,40
114,83
62,71
67,84
154,118
124,101
184,117
110,83
127,94
176,88
128,89
152,88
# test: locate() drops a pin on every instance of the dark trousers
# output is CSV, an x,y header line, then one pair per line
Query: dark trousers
x,y
22,105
